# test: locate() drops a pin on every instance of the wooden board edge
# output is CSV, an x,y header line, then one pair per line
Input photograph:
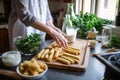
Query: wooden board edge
x,y
10,74
76,69
86,57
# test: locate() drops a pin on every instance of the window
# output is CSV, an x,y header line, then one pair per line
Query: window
x,y
107,9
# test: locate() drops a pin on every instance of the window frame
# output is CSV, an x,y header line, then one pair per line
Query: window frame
x,y
93,8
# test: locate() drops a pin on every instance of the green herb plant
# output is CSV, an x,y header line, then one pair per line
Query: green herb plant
x,y
87,21
29,44
114,42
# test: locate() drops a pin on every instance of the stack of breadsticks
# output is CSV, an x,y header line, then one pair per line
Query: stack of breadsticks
x,y
32,67
69,55
50,53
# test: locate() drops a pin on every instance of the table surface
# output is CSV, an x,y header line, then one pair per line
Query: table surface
x,y
95,69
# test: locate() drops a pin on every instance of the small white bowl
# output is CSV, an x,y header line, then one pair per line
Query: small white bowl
x,y
31,77
11,58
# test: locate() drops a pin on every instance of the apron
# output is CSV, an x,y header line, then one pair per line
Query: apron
x,y
17,28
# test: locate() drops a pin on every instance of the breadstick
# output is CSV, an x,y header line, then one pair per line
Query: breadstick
x,y
44,53
56,49
55,45
63,60
21,67
76,60
31,71
39,54
42,65
68,58
46,56
56,54
52,51
71,55
40,70
60,55
26,72
51,55
68,50
74,48
60,49
29,67
34,64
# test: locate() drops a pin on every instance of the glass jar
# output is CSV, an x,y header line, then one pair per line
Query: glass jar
x,y
71,34
67,23
70,15
70,10
68,28
106,34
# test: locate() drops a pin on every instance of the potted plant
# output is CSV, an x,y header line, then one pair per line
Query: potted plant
x,y
87,21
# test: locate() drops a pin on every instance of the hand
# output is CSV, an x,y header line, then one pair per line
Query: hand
x,y
50,23
59,37
58,30
53,32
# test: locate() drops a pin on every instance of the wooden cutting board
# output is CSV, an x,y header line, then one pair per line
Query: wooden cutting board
x,y
81,44
11,74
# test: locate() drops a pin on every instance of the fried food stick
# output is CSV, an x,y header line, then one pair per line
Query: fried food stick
x,y
63,61
44,53
39,54
76,60
71,55
74,48
51,55
71,51
56,54
68,58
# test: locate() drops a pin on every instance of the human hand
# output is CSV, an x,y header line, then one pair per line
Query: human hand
x,y
50,23
59,31
59,37
55,33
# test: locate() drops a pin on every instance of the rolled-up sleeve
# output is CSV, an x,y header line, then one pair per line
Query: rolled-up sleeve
x,y
48,16
23,12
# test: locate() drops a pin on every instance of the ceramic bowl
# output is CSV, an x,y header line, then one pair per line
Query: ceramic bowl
x,y
31,77
28,45
11,58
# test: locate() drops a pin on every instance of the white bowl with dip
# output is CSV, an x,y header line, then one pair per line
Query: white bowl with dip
x,y
11,58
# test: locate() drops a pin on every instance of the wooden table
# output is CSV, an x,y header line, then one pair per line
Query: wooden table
x,y
95,69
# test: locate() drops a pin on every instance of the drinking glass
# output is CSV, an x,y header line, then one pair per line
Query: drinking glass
x,y
106,35
71,34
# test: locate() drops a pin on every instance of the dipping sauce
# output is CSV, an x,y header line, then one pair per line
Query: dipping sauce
x,y
11,58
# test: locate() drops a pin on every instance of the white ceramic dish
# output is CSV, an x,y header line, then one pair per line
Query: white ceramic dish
x,y
11,58
31,77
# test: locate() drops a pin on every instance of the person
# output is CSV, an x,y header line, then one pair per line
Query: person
x,y
33,16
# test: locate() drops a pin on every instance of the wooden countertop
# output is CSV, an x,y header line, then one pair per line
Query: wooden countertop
x,y
94,71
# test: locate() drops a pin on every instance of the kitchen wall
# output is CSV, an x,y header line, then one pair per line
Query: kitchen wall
x,y
54,5
58,10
